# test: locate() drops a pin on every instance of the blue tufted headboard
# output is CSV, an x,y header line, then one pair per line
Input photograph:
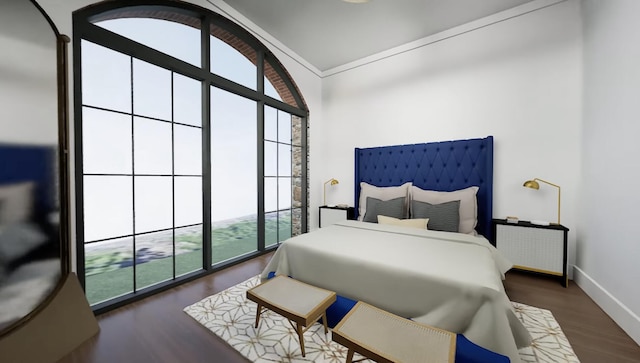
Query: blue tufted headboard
x,y
19,163
441,166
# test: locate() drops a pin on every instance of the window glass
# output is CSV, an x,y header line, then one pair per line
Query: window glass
x,y
187,150
270,123
187,100
233,155
188,200
153,203
271,229
106,79
269,90
154,258
108,269
175,39
152,146
284,193
270,194
233,59
234,186
270,158
108,207
151,91
284,225
284,160
284,127
106,142
188,242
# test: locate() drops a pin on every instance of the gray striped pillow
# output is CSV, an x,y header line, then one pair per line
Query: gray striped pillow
x,y
390,208
442,217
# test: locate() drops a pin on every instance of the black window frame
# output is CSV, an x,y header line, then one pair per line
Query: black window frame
x,y
84,29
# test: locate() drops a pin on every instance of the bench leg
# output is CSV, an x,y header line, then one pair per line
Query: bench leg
x,y
324,322
349,355
258,312
300,337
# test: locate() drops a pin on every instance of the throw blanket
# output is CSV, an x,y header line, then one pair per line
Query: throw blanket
x,y
448,280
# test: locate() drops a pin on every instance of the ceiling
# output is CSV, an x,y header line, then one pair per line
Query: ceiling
x,y
330,33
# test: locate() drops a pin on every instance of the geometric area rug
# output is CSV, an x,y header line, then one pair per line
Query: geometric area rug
x,y
229,315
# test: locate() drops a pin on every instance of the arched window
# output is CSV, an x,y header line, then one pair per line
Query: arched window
x,y
190,147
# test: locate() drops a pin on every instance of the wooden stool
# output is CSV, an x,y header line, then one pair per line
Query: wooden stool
x,y
299,302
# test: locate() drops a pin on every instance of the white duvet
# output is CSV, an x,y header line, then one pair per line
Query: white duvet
x,y
449,280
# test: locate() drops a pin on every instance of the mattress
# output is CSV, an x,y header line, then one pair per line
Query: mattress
x,y
448,280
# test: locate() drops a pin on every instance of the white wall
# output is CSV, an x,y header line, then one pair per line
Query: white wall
x,y
608,252
28,86
306,76
516,76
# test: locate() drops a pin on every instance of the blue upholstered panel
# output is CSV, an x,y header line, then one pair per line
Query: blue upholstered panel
x,y
20,163
442,166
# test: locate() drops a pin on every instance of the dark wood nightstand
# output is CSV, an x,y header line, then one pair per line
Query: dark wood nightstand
x,y
333,214
532,247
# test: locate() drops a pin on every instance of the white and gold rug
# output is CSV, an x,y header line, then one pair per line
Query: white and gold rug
x,y
231,316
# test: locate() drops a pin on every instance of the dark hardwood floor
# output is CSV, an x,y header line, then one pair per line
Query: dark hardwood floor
x,y
595,338
157,330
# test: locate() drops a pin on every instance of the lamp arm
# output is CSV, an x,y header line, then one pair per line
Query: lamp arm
x,y
324,191
557,186
546,182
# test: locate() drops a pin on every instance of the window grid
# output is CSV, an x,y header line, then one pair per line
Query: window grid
x,y
86,31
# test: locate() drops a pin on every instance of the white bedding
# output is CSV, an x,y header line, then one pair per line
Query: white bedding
x,y
449,280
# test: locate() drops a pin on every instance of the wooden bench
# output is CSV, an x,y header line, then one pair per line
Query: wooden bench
x,y
301,303
385,337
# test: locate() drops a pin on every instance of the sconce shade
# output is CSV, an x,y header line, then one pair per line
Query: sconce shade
x,y
533,184
333,182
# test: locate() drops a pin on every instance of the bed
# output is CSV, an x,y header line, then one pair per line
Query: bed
x,y
450,277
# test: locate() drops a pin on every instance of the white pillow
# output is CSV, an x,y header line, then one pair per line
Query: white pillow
x,y
16,202
414,223
382,193
468,204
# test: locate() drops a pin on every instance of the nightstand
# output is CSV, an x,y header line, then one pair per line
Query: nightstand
x,y
331,215
532,247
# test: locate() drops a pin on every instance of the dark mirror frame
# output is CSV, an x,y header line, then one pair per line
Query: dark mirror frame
x,y
63,172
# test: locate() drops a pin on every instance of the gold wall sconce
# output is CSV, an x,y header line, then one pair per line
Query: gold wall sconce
x,y
533,184
333,182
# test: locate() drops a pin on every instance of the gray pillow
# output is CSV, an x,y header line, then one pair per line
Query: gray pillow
x,y
390,208
442,217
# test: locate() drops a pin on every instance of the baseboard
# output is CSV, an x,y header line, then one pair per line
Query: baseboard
x,y
620,313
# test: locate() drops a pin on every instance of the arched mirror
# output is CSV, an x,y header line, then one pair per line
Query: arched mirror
x,y
33,168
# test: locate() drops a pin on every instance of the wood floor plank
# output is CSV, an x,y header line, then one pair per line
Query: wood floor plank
x,y
594,336
157,330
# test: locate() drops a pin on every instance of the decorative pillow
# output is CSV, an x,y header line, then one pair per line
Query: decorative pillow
x,y
382,193
16,202
391,208
414,223
442,217
468,204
